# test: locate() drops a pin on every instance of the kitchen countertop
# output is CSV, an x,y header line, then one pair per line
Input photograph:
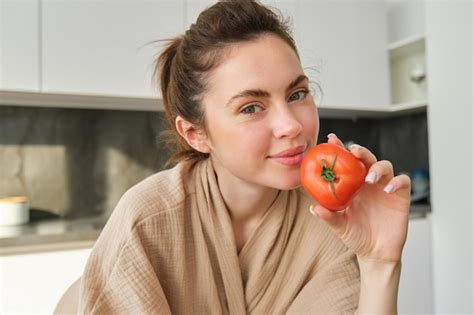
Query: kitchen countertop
x,y
419,210
67,234
50,235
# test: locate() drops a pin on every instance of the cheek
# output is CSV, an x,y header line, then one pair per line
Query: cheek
x,y
309,120
238,141
254,139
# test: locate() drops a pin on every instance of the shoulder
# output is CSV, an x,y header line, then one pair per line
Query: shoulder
x,y
156,195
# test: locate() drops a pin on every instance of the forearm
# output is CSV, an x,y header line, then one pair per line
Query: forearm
x,y
379,287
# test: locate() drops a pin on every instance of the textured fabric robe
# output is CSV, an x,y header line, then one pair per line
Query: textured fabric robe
x,y
169,247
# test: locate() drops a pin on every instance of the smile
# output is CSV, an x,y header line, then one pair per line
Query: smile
x,y
291,157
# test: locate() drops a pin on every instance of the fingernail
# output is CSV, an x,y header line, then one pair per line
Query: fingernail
x,y
370,178
354,146
388,189
331,135
311,209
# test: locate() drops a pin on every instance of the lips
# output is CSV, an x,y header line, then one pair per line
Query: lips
x,y
290,152
291,157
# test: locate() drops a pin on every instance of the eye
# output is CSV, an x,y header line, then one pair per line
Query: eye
x,y
298,95
251,109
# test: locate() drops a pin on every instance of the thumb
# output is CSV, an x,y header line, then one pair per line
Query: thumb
x,y
336,220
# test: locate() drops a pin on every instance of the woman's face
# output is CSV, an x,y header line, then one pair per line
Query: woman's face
x,y
257,106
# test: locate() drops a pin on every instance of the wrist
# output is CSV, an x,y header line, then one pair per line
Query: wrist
x,y
379,285
369,262
379,270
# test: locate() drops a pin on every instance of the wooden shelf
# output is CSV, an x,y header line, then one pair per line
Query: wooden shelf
x,y
406,46
408,69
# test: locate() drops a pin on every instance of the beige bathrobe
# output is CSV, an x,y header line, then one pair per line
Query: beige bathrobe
x,y
169,247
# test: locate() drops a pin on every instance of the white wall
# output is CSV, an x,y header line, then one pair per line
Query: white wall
x,y
449,67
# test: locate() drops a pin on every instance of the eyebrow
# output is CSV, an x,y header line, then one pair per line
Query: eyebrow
x,y
262,93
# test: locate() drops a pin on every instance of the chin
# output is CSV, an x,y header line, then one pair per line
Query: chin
x,y
289,184
290,187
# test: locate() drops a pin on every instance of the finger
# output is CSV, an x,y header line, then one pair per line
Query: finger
x,y
336,220
332,138
363,154
379,170
398,182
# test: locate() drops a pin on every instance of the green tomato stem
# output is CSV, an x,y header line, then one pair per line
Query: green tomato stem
x,y
328,175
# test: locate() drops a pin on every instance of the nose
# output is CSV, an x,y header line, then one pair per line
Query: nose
x,y
286,123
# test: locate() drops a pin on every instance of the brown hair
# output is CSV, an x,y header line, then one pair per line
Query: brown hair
x,y
181,68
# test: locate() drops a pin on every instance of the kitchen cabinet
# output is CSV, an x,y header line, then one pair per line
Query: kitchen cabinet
x,y
415,293
408,77
343,48
19,45
405,19
406,49
101,47
94,54
34,283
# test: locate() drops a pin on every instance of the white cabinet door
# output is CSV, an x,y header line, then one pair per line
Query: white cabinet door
x,y
416,282
34,283
100,47
19,46
405,19
343,47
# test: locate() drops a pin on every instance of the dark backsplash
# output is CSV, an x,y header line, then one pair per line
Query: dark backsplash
x,y
78,162
402,140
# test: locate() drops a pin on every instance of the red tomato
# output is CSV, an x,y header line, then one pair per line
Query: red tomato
x,y
332,175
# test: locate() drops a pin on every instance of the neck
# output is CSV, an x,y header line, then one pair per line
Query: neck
x,y
246,202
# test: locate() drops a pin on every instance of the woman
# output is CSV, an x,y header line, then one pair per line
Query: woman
x,y
227,230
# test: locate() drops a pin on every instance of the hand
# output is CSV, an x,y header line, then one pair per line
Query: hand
x,y
375,223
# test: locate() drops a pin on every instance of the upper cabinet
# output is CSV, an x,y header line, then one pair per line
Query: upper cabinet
x,y
104,47
342,46
405,19
343,49
406,49
19,45
100,54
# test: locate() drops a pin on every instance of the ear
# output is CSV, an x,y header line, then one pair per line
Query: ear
x,y
194,136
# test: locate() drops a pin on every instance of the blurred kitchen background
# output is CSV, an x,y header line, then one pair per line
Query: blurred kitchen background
x,y
80,123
